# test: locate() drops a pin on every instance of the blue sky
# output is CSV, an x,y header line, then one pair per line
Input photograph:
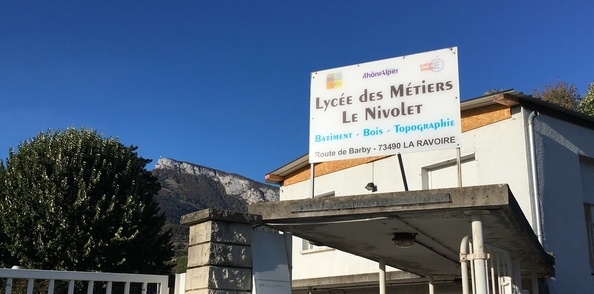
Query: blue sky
x,y
225,84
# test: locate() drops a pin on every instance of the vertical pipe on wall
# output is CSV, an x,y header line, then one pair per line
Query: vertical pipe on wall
x,y
535,194
464,264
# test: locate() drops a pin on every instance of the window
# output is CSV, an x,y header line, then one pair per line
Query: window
x,y
445,174
307,246
589,212
587,175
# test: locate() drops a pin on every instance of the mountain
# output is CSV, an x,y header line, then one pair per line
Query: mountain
x,y
187,187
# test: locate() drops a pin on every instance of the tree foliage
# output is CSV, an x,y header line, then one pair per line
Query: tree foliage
x,y
74,200
561,93
587,104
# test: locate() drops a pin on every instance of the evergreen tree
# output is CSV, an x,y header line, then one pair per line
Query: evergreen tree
x,y
587,104
74,200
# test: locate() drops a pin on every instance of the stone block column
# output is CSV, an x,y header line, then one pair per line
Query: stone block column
x,y
219,252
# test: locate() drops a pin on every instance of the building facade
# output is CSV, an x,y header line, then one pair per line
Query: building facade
x,y
545,154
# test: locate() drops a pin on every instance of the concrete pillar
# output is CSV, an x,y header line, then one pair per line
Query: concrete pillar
x,y
219,252
479,256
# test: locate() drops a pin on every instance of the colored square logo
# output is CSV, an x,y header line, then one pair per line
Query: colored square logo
x,y
334,81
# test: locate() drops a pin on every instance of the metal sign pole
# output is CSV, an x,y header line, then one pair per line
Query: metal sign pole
x,y
402,172
312,175
382,276
459,163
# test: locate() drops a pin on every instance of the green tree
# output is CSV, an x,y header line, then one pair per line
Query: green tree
x,y
587,104
560,93
74,200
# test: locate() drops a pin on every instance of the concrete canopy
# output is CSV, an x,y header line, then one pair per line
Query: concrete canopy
x,y
364,225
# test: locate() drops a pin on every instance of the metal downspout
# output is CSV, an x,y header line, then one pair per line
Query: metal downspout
x,y
535,194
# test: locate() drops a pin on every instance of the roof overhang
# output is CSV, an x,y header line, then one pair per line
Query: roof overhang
x,y
277,176
364,225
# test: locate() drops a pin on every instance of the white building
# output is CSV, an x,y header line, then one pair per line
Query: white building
x,y
543,153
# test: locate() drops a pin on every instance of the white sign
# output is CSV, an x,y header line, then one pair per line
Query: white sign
x,y
397,105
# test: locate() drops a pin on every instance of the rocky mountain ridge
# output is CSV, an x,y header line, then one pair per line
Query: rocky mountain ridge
x,y
236,185
188,187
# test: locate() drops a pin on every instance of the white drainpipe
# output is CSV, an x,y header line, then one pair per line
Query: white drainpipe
x,y
464,264
535,194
